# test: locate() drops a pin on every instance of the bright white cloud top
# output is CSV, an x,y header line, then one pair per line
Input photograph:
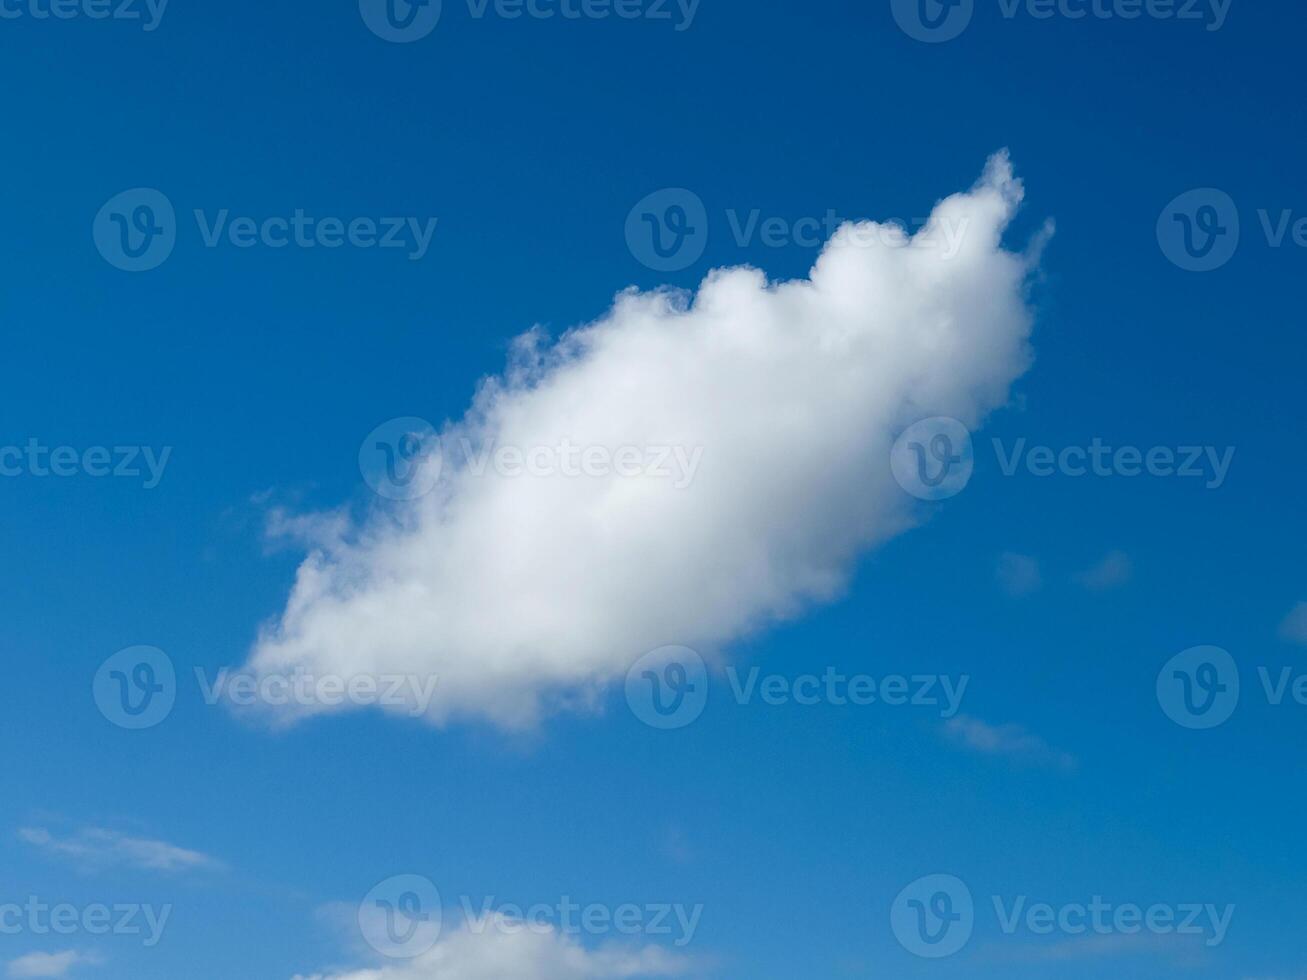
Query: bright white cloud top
x,y
530,593
48,964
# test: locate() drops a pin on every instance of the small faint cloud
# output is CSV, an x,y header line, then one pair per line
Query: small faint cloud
x,y
1011,741
1019,575
49,964
1112,572
676,846
1294,627
95,848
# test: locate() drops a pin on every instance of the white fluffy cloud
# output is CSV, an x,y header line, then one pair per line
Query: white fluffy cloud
x,y
528,593
48,964
494,953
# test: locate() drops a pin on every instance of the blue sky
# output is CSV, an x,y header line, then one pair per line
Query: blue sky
x,y
530,142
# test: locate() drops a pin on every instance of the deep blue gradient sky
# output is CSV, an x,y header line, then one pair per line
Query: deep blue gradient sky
x,y
530,141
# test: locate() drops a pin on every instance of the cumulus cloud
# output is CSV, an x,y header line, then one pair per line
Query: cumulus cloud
x,y
496,952
48,964
1012,741
95,848
531,593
